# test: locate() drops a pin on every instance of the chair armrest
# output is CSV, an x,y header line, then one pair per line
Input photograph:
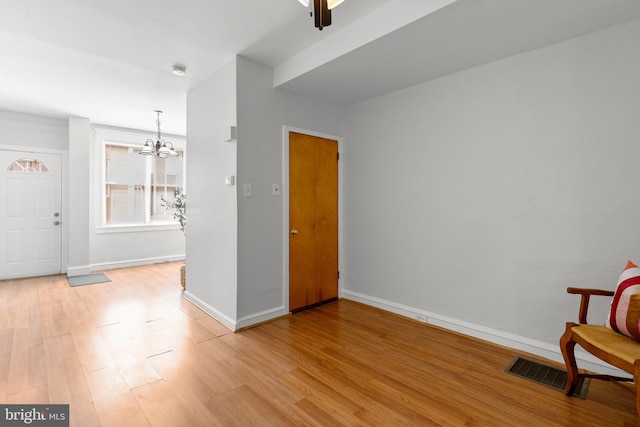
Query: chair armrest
x,y
584,301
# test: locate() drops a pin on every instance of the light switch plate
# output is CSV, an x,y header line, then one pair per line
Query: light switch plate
x,y
230,134
247,190
275,189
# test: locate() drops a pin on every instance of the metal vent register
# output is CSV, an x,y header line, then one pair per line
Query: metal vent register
x,y
545,375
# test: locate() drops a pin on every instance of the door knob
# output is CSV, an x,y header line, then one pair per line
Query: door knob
x,y
56,222
294,231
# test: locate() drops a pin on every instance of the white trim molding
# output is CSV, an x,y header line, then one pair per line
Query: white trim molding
x,y
217,315
260,317
135,262
79,270
538,348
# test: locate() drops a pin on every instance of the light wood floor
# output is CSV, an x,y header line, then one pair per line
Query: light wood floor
x,y
132,352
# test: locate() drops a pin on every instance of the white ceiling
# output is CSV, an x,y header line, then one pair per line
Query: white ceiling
x,y
110,60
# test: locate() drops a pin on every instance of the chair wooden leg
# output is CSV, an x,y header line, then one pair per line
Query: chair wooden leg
x,y
567,346
636,385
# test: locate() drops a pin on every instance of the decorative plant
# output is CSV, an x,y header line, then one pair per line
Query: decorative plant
x,y
177,208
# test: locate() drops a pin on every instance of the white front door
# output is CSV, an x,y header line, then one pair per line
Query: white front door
x,y
30,214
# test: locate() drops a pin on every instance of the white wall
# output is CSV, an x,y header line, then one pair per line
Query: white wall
x,y
90,247
235,252
211,205
115,247
26,130
40,134
262,113
84,250
479,197
79,218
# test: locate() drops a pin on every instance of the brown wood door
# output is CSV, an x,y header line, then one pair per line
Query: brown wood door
x,y
313,221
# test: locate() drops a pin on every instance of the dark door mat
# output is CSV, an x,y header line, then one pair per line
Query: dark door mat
x,y
87,279
546,375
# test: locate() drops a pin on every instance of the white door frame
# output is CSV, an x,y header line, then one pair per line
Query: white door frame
x,y
285,206
64,180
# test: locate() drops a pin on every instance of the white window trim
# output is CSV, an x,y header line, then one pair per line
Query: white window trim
x,y
134,138
130,228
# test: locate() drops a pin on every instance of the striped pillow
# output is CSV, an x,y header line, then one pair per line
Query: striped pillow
x,y
624,316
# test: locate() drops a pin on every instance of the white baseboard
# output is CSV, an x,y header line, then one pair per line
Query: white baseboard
x,y
263,316
220,317
242,322
78,271
133,263
538,348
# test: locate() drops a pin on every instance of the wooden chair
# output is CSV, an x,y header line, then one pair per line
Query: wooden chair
x,y
612,347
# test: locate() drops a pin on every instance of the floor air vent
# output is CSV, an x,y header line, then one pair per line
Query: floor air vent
x,y
545,375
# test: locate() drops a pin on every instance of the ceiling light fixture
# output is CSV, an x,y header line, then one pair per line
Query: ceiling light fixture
x,y
158,148
333,3
179,69
322,11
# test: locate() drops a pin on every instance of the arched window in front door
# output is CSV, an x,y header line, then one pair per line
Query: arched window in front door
x,y
27,166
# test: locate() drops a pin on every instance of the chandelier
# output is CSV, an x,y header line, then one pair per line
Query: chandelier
x,y
158,148
322,11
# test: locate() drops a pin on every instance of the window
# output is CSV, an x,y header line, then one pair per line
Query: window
x,y
27,166
132,185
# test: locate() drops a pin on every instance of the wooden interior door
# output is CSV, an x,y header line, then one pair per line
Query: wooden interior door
x,y
313,221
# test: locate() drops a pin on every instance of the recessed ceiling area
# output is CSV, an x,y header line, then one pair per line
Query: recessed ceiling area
x,y
461,35
111,61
